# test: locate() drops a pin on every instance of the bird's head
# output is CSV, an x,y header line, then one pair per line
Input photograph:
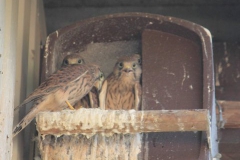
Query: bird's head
x,y
73,59
128,67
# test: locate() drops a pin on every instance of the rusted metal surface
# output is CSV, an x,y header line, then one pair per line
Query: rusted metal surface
x,y
227,69
229,145
111,36
178,82
109,122
121,31
177,72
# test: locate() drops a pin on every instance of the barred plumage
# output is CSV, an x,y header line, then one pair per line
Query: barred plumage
x,y
91,100
69,84
122,89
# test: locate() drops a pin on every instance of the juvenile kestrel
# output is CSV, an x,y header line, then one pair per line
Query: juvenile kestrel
x,y
122,89
73,59
91,100
60,90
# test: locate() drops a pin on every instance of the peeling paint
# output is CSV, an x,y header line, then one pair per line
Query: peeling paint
x,y
171,73
56,33
226,55
218,73
154,95
225,48
168,94
191,87
209,88
147,90
46,47
95,148
181,126
184,74
46,53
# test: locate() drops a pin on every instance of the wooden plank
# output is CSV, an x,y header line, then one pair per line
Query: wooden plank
x,y
230,114
21,72
98,147
8,51
91,121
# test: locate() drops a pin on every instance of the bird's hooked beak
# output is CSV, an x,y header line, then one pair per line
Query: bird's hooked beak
x,y
99,82
127,68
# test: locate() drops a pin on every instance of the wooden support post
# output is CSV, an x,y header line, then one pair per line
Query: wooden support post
x,y
91,121
109,134
230,114
8,52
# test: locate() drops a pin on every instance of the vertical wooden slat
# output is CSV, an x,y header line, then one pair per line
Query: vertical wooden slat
x,y
33,64
31,75
31,31
42,22
36,34
21,71
8,34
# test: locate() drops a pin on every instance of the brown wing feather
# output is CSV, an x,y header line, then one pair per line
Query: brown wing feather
x,y
74,76
58,80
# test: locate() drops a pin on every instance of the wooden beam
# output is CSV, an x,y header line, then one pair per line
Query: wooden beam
x,y
230,114
91,121
118,146
8,52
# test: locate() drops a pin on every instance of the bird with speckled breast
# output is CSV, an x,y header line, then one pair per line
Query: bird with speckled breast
x,y
61,90
91,100
122,89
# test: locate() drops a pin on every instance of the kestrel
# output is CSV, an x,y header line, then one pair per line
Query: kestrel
x,y
91,100
73,59
63,88
122,89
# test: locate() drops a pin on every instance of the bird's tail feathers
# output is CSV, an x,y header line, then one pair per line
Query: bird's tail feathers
x,y
28,100
25,121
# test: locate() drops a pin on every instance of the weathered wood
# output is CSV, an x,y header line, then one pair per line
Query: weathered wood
x,y
100,127
97,147
91,121
8,52
230,114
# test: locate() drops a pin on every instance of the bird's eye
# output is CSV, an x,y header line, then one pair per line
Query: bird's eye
x,y
65,62
79,61
120,65
134,65
101,76
139,61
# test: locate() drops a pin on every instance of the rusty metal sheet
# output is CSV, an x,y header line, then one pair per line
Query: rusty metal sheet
x,y
172,79
227,80
229,145
227,71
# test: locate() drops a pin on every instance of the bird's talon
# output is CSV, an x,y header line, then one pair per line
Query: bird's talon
x,y
69,105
